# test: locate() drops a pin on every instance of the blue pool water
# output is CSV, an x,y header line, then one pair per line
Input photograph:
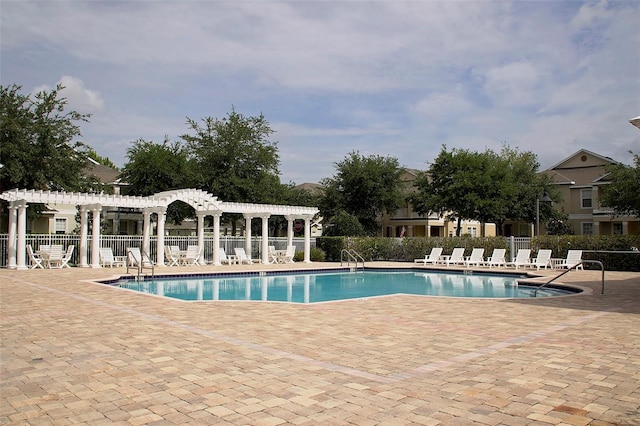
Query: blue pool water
x,y
328,286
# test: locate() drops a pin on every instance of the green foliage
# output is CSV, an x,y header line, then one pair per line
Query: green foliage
x,y
315,255
621,193
561,244
331,246
486,187
364,187
558,225
234,159
343,224
153,168
36,142
105,161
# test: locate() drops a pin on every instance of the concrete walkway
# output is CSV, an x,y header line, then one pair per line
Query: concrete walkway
x,y
80,353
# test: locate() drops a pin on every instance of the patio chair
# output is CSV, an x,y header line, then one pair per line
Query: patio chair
x,y
54,257
192,256
223,258
475,258
497,258
135,258
522,259
34,259
432,257
242,256
574,257
273,255
542,260
289,255
172,258
64,262
455,258
108,259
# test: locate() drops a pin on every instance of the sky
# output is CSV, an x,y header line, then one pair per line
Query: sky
x,y
389,78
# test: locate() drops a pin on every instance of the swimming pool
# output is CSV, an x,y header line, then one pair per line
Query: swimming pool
x,y
330,286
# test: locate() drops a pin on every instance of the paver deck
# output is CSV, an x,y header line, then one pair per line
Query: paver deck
x,y
80,353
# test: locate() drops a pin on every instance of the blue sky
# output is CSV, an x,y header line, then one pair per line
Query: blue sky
x,y
392,78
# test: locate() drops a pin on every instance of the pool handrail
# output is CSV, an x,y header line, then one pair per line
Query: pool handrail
x,y
351,255
535,292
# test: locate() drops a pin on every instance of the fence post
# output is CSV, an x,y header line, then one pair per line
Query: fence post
x,y
512,247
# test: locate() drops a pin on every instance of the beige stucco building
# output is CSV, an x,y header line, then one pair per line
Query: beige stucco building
x,y
580,178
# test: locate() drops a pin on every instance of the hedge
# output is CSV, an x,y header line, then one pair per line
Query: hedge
x,y
408,249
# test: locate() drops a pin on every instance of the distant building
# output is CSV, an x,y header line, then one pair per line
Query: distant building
x,y
580,178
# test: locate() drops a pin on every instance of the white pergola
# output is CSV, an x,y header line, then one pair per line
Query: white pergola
x,y
204,204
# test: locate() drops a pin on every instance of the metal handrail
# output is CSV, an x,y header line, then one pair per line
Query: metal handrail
x,y
141,265
351,255
535,292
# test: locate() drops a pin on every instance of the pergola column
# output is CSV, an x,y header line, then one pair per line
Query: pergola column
x,y
162,218
200,231
146,229
265,238
13,228
247,234
21,235
307,239
95,236
216,237
290,220
84,232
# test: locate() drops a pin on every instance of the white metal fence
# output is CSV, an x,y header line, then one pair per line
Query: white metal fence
x,y
119,244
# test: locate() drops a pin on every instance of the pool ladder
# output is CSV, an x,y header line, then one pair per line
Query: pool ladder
x,y
351,256
144,263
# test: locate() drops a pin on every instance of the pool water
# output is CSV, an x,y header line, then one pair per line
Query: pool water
x,y
323,287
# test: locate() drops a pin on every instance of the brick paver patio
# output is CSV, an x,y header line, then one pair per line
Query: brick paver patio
x,y
80,353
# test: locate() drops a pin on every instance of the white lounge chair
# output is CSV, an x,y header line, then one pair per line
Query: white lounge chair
x,y
223,258
496,259
542,260
34,258
242,256
432,257
522,259
108,259
475,258
135,258
456,257
574,257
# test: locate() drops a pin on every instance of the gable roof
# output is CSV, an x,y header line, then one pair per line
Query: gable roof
x,y
583,155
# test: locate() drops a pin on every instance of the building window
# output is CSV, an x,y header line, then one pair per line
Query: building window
x,y
586,197
61,226
587,228
617,228
472,231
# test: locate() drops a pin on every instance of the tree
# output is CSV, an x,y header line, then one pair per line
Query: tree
x,y
344,224
487,187
621,193
153,168
234,159
36,141
105,161
364,187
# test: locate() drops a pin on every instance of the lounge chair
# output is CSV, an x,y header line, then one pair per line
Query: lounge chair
x,y
108,259
192,256
475,258
455,258
522,259
34,258
64,262
172,258
542,260
496,259
223,258
432,257
574,257
135,258
242,256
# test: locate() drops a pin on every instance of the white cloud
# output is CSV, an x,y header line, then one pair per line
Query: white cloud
x,y
78,96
